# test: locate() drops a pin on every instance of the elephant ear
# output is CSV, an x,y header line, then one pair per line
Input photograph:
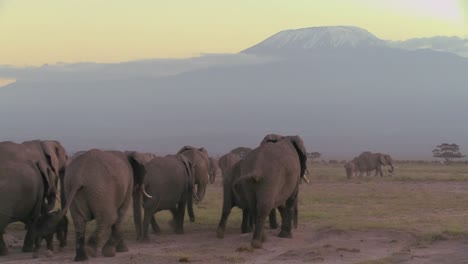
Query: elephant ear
x,y
185,148
49,187
137,162
189,169
271,138
298,144
51,152
383,159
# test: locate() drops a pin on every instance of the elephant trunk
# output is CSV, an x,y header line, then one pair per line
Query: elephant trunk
x,y
137,213
391,168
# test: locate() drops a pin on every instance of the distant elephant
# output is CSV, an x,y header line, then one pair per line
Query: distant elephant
x,y
226,163
45,226
99,185
199,157
29,175
368,161
269,179
168,185
213,170
351,169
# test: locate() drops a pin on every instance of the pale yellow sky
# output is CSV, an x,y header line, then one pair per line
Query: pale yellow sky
x,y
48,31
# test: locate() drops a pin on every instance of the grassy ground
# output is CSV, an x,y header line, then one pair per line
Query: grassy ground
x,y
429,200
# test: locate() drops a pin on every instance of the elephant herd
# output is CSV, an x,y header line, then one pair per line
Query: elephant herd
x,y
367,162
101,185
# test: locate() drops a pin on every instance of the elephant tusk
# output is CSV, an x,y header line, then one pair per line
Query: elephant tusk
x,y
196,196
146,194
305,179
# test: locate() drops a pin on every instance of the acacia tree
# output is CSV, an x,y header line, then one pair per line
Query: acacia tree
x,y
448,152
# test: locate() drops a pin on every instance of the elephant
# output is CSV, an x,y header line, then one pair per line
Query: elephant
x,y
368,161
29,175
168,185
226,163
55,225
200,159
241,151
269,178
213,170
351,169
99,185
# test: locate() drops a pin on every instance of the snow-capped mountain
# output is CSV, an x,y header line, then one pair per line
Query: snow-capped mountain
x,y
304,39
454,45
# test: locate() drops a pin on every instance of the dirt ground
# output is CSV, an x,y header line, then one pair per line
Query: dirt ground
x,y
310,244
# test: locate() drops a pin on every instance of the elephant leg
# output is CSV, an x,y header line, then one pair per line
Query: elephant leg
x,y
49,240
295,215
179,215
95,241
3,247
190,208
272,219
149,214
37,247
62,233
28,241
247,222
222,222
286,214
115,238
80,231
258,235
154,225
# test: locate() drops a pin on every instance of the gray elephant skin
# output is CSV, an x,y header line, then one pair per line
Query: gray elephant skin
x,y
29,175
367,162
213,170
168,185
99,185
269,179
200,159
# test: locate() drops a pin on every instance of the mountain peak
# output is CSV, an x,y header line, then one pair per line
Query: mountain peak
x,y
304,39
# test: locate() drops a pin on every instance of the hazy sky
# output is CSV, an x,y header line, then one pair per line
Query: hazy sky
x,y
48,31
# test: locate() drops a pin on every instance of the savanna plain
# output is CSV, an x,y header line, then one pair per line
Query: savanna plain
x,y
418,214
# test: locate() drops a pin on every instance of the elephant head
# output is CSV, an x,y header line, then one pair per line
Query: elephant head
x,y
190,168
199,157
271,138
56,156
385,160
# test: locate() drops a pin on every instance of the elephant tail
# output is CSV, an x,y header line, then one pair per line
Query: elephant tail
x,y
69,201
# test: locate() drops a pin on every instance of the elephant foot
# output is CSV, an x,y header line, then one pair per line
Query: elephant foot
x,y
91,251
245,230
108,251
121,247
273,225
179,231
285,234
27,248
256,243
63,244
81,257
49,253
192,219
3,251
220,233
145,239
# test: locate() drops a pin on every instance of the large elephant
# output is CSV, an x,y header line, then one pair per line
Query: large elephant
x,y
213,170
29,175
226,163
200,159
269,179
168,185
368,161
99,185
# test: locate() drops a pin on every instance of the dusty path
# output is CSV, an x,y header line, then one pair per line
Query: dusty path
x,y
310,244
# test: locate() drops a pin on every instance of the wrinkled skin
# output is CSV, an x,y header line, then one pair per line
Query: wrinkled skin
x,y
213,170
199,158
99,185
169,181
368,161
241,151
29,173
269,179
